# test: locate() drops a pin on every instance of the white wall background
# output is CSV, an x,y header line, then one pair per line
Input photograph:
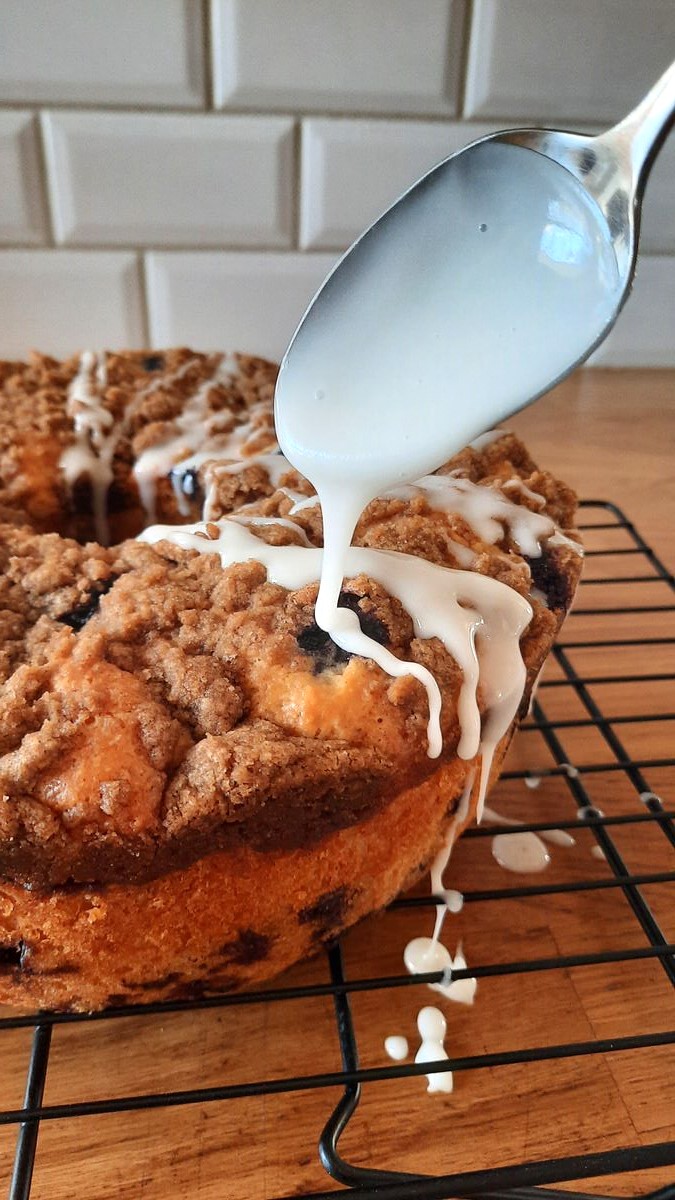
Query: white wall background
x,y
184,171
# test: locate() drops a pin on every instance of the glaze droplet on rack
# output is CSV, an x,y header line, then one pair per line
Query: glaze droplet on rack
x,y
424,955
396,1047
432,1028
524,853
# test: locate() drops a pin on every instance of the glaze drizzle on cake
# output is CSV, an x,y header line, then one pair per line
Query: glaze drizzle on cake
x,y
176,724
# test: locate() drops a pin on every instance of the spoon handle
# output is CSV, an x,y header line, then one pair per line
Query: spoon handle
x,y
640,135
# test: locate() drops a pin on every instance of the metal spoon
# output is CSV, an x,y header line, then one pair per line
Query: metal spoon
x,y
486,283
613,168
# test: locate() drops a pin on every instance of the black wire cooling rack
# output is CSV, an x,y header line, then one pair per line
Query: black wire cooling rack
x,y
518,1181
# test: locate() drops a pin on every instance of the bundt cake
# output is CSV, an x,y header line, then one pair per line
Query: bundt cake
x,y
197,786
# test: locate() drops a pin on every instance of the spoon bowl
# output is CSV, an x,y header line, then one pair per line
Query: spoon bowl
x,y
485,284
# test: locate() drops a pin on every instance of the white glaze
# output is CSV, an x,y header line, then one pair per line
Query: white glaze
x,y
486,439
523,853
589,810
396,1047
424,955
485,635
561,539
485,509
532,781
432,1029
516,485
197,426
533,697
570,770
463,991
598,852
453,901
95,436
557,837
282,522
420,952
302,502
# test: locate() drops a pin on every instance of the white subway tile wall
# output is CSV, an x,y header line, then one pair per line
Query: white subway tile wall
x,y
23,212
216,300
170,179
568,60
188,170
645,331
122,52
354,56
60,301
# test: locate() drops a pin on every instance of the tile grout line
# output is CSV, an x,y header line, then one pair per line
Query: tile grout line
x,y
256,248
212,248
45,181
145,298
297,187
465,51
101,108
208,59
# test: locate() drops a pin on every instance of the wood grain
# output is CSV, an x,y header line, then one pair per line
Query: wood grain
x,y
611,435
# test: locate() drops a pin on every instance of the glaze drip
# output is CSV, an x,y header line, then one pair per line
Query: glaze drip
x,y
97,433
485,509
197,426
478,619
92,452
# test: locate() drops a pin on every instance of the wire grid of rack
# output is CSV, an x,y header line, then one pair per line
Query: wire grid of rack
x,y
520,1181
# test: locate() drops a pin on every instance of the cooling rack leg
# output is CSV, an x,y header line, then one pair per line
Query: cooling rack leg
x,y
331,1160
26,1142
339,1118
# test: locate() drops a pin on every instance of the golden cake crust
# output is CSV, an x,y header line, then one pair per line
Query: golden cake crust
x,y
230,920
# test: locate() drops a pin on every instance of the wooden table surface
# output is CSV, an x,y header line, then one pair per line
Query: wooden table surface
x,y
612,435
